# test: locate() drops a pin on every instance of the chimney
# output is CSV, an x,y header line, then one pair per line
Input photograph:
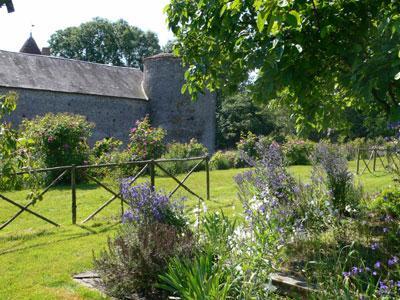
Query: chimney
x,y
46,51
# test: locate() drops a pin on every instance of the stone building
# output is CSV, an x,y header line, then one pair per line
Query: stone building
x,y
111,97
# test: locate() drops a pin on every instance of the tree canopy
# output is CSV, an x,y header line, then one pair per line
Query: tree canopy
x,y
102,41
319,57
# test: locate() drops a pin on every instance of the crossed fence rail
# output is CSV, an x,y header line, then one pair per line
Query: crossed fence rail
x,y
145,165
370,159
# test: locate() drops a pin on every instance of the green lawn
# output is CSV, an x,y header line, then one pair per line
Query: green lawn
x,y
37,259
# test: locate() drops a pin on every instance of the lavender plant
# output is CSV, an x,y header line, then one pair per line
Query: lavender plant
x,y
268,194
148,206
332,162
153,232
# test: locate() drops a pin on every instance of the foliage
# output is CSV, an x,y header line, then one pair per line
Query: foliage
x,y
345,195
105,147
106,42
238,114
183,150
268,195
169,46
148,206
137,255
247,144
58,139
224,160
108,151
9,161
146,142
319,57
298,152
154,231
201,278
388,202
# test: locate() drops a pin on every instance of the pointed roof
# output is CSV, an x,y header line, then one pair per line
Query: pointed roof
x,y
30,47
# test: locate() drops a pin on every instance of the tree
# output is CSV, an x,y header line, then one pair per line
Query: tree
x,y
169,46
102,41
317,57
237,114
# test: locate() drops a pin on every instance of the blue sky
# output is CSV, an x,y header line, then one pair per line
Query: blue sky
x,y
51,15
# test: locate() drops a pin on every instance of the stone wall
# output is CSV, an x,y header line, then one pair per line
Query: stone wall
x,y
182,118
112,116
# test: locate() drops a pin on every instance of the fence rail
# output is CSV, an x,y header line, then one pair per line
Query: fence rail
x,y
146,165
368,159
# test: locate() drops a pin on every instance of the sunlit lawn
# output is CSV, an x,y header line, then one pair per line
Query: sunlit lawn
x,y
38,259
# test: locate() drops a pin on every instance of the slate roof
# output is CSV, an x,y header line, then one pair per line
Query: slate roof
x,y
38,72
30,47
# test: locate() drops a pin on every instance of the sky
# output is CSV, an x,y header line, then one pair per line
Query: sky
x,y
48,16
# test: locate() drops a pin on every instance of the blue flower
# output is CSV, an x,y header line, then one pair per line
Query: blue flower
x,y
374,246
392,261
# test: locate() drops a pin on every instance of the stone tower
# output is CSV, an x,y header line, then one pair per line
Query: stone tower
x,y
170,109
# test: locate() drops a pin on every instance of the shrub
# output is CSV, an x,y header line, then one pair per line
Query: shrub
x,y
247,144
154,231
222,160
388,202
105,147
107,151
298,152
146,142
59,139
345,195
137,256
148,206
183,150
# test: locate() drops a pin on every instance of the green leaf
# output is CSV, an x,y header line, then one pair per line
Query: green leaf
x,y
184,88
297,17
223,9
260,22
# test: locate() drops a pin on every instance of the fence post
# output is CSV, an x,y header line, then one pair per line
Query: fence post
x,y
152,175
374,165
358,160
208,176
73,193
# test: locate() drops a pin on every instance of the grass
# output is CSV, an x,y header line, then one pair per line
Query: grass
x,y
37,259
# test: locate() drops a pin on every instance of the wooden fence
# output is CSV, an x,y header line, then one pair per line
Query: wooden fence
x,y
145,165
371,159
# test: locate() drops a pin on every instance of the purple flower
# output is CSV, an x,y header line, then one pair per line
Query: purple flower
x,y
346,274
374,273
146,205
127,217
385,230
374,246
392,261
377,265
354,270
